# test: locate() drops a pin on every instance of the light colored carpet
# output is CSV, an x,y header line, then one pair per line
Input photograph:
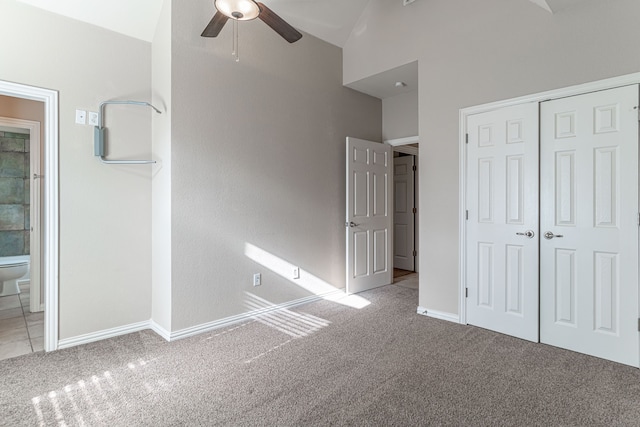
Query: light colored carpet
x,y
317,365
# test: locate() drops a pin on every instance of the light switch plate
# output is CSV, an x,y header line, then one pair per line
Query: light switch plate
x,y
81,117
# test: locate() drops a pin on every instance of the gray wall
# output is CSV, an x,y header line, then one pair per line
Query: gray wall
x,y
105,227
400,116
258,157
248,153
473,52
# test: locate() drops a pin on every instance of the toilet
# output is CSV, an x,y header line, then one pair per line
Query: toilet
x,y
12,269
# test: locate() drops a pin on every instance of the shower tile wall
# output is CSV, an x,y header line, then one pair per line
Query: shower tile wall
x,y
14,194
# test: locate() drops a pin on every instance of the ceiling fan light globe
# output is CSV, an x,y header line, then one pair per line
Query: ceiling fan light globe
x,y
242,10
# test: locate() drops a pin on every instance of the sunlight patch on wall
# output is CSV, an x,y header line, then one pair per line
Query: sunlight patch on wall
x,y
307,281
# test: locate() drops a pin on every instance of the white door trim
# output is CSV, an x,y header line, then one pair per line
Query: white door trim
x,y
464,112
51,211
402,145
35,148
402,141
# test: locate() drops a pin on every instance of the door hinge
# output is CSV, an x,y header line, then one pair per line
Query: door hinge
x,y
638,325
415,210
466,215
466,138
415,253
466,292
638,219
415,168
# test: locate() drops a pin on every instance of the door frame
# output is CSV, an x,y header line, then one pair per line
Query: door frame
x,y
51,209
580,89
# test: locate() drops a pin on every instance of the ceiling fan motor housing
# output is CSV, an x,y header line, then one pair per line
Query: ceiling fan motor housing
x,y
241,10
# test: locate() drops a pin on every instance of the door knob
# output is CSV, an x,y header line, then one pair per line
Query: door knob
x,y
528,233
549,235
350,224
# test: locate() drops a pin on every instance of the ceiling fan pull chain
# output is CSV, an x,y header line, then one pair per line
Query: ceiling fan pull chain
x,y
235,41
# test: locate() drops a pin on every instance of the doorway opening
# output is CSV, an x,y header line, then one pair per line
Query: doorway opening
x,y
47,177
405,211
21,305
370,215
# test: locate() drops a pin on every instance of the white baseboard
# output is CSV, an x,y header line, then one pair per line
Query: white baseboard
x,y
228,321
450,317
187,332
104,334
160,330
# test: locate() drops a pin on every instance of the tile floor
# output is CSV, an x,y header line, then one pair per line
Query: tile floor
x,y
21,331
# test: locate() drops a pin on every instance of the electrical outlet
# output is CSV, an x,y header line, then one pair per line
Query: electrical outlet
x,y
296,272
93,118
81,117
257,279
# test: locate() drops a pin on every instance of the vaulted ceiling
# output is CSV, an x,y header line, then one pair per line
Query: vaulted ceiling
x,y
329,20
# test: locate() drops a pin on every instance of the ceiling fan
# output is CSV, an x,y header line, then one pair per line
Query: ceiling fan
x,y
246,10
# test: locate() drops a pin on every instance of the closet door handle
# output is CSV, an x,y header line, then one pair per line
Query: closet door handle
x,y
549,235
528,233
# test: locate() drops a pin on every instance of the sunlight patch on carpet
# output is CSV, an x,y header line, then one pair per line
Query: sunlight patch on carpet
x,y
93,399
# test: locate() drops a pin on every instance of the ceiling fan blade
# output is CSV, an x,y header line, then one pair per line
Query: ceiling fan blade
x,y
215,26
278,24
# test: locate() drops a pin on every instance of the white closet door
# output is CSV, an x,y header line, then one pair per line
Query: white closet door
x,y
502,225
589,211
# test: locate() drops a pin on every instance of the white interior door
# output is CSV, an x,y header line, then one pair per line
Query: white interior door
x,y
368,219
502,224
403,213
589,207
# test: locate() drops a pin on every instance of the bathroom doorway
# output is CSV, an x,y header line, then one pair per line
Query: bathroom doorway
x,y
21,144
21,303
43,183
